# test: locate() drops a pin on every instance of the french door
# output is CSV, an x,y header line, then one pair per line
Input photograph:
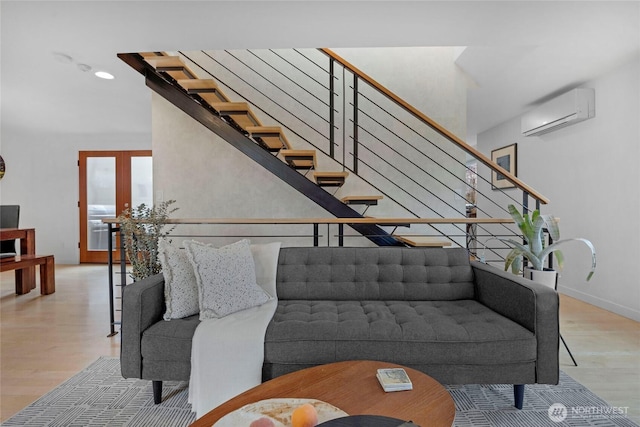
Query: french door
x,y
110,182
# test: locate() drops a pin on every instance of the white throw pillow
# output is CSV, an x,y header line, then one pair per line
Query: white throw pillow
x,y
180,288
265,257
226,278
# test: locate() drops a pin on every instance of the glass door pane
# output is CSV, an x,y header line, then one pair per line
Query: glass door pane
x,y
141,181
101,199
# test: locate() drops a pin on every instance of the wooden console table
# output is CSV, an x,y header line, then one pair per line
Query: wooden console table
x,y
25,263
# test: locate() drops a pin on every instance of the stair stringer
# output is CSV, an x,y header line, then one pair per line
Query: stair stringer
x,y
245,145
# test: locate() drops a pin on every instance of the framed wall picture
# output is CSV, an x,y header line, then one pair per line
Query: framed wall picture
x,y
506,158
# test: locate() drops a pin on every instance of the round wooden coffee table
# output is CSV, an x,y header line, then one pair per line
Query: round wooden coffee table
x,y
353,387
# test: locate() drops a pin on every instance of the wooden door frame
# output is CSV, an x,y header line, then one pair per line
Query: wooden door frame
x,y
123,195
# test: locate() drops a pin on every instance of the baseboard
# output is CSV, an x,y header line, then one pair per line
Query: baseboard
x,y
602,303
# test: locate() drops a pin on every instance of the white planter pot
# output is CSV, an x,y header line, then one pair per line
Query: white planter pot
x,y
546,277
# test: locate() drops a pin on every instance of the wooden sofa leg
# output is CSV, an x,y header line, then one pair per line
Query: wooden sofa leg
x,y
157,391
518,395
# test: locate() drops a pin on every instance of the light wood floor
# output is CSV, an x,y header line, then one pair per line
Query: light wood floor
x,y
45,340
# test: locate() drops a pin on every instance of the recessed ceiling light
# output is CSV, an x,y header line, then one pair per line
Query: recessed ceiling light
x,y
104,75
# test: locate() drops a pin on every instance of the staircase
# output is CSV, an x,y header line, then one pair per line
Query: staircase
x,y
218,105
170,73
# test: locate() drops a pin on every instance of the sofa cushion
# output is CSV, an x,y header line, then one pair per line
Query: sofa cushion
x,y
169,340
376,273
265,258
462,332
180,289
226,278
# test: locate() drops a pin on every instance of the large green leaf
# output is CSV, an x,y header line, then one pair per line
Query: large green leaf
x,y
517,218
525,250
559,257
524,222
536,239
511,258
554,248
551,223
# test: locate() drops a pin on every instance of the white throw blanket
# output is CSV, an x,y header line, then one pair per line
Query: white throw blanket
x,y
227,356
227,353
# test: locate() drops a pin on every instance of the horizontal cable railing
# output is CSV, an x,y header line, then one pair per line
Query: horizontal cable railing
x,y
282,228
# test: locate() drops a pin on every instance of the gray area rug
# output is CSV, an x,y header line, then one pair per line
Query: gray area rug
x,y
99,396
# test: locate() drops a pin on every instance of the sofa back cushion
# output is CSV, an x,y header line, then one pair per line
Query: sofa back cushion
x,y
374,273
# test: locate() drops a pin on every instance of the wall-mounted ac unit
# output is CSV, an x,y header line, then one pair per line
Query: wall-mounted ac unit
x,y
567,109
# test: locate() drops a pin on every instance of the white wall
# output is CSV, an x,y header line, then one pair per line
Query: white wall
x,y
425,77
42,177
590,173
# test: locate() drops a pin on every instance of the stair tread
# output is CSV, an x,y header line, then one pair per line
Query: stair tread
x,y
300,159
243,120
264,129
207,89
198,85
270,137
423,241
238,112
331,174
172,65
348,199
213,97
164,62
290,152
330,179
238,107
361,200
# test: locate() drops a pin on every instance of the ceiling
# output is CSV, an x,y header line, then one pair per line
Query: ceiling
x,y
518,53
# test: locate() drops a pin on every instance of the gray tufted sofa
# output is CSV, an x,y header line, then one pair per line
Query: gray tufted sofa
x,y
430,309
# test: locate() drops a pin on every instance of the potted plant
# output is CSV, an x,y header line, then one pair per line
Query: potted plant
x,y
534,248
141,228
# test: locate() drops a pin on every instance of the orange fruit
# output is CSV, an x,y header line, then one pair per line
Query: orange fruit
x,y
304,416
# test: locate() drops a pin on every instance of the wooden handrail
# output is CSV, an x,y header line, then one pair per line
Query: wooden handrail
x,y
436,126
379,221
